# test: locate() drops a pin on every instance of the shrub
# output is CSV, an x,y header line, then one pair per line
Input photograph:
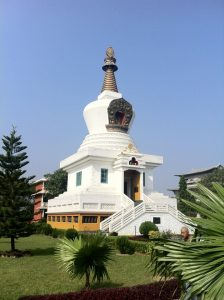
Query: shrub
x,y
47,229
139,238
37,227
71,234
124,245
112,240
55,233
61,232
42,227
167,234
147,226
154,234
141,247
113,233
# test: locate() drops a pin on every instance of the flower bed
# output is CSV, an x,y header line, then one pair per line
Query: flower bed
x,y
156,291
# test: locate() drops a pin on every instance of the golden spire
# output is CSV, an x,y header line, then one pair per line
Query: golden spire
x,y
109,67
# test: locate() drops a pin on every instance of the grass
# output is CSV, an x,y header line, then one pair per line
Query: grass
x,y
39,274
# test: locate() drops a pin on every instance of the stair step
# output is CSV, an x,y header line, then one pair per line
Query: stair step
x,y
136,203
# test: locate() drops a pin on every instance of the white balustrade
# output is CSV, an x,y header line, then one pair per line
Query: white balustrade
x,y
127,203
123,218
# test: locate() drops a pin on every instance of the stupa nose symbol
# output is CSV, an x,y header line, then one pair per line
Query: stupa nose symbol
x,y
109,83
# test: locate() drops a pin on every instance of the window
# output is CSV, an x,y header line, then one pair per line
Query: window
x,y
75,219
89,219
53,219
49,218
58,218
63,218
103,218
156,220
143,178
79,178
104,175
69,218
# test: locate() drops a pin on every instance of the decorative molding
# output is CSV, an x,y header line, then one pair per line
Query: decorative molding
x,y
120,113
130,149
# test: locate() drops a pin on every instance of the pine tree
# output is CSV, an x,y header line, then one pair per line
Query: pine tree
x,y
16,208
185,195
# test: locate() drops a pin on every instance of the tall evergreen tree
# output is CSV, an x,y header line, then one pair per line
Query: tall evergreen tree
x,y
185,195
16,208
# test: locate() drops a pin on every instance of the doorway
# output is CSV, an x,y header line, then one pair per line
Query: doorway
x,y
132,184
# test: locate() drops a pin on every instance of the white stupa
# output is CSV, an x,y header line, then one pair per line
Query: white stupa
x,y
110,182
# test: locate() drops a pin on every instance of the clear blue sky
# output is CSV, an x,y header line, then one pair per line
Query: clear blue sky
x,y
170,56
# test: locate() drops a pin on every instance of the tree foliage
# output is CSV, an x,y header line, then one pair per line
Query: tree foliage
x,y
184,194
56,184
199,264
147,226
16,208
216,176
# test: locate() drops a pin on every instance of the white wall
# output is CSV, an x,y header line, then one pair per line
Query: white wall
x,y
91,178
87,172
168,222
148,188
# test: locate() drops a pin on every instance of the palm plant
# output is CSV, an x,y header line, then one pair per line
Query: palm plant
x,y
85,256
199,263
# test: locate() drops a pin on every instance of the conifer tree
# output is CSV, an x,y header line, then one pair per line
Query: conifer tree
x,y
16,208
185,195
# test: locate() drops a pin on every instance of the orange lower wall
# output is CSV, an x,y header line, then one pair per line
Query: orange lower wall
x,y
78,226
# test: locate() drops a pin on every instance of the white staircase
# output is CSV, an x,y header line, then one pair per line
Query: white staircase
x,y
124,217
128,205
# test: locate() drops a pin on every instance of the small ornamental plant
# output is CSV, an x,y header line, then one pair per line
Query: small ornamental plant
x,y
154,234
124,245
147,226
71,234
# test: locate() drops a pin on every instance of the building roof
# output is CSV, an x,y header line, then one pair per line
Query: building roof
x,y
40,180
201,171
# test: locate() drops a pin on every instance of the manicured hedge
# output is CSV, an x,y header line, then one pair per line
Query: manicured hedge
x,y
141,247
155,291
124,245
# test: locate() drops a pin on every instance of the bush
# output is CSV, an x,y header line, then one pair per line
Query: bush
x,y
147,226
154,234
42,227
124,245
71,234
47,229
141,247
138,238
113,233
55,233
60,232
167,234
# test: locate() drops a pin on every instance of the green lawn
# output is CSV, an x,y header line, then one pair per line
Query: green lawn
x,y
39,274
